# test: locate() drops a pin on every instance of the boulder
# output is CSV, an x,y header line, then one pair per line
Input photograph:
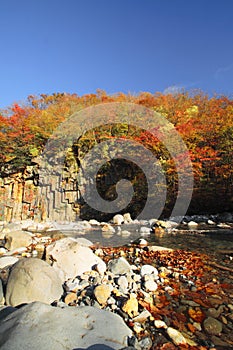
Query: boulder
x,y
17,239
70,259
84,242
118,219
127,218
31,280
119,266
192,224
148,270
7,261
40,326
12,226
1,293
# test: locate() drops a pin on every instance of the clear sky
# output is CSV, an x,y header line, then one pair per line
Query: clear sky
x,y
78,46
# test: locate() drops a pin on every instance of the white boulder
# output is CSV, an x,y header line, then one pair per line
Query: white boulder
x,y
71,259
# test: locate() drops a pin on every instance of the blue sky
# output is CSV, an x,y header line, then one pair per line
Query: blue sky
x,y
78,46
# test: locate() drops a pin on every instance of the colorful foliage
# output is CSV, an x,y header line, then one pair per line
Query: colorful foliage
x,y
204,123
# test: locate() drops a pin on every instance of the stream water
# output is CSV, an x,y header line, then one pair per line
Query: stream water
x,y
205,240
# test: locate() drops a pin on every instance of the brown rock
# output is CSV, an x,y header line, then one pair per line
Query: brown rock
x,y
71,298
102,293
17,239
212,326
131,306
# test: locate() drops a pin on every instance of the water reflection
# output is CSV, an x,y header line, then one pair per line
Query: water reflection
x,y
203,241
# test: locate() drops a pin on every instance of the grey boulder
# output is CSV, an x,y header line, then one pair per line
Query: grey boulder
x,y
40,326
31,280
18,239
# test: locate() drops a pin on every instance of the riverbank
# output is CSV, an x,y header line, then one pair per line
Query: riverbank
x,y
161,298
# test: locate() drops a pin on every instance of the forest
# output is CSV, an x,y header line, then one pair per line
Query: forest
x,y
205,124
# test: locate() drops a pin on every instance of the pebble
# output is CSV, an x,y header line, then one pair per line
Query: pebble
x,y
142,317
176,336
111,301
219,342
212,326
145,230
223,225
150,286
212,312
102,293
148,269
145,343
189,302
100,268
107,228
3,250
119,266
137,328
142,242
160,324
94,222
116,289
72,285
70,298
123,284
16,251
197,326
192,224
131,306
99,252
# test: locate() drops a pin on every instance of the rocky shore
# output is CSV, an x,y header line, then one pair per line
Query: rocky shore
x,y
62,292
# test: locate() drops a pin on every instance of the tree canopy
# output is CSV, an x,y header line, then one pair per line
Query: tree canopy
x,y
204,123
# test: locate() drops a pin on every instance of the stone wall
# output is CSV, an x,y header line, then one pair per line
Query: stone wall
x,y
23,196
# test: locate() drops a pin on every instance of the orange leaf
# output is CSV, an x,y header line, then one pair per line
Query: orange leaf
x,y
191,327
197,315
